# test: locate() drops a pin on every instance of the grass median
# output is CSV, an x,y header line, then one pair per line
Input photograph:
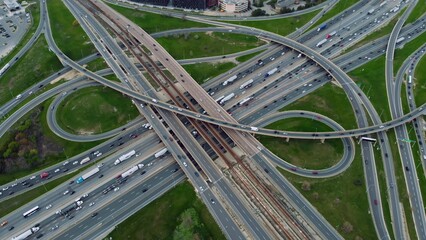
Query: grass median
x,y
202,72
420,82
196,45
282,26
151,22
37,64
340,7
309,154
94,110
67,33
161,218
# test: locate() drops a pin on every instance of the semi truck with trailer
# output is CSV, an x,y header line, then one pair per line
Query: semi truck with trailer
x,y
87,175
246,84
245,100
229,80
322,27
131,170
26,234
124,157
272,71
160,153
227,98
330,34
84,160
320,43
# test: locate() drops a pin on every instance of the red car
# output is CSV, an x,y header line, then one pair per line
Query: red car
x,y
44,175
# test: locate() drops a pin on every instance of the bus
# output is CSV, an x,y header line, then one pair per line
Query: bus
x,y
31,211
368,139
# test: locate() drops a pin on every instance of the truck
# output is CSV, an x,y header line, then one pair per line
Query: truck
x,y
245,100
227,98
131,171
322,27
26,234
321,43
409,79
371,11
160,153
229,80
4,68
219,98
246,84
44,175
272,71
84,160
395,9
124,157
400,40
330,34
87,175
254,129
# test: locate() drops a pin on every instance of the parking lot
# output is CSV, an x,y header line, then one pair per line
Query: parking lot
x,y
12,29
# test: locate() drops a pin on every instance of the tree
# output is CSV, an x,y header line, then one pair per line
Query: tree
x,y
315,195
347,227
306,186
258,12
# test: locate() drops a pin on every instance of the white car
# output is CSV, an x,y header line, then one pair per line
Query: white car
x,y
116,189
57,170
48,206
99,154
184,164
33,177
78,208
75,163
91,204
65,163
66,192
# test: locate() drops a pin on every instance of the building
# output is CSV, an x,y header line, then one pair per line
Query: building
x,y
12,5
234,5
153,2
194,4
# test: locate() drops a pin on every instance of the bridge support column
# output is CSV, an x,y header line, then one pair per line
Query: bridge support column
x,y
322,140
287,139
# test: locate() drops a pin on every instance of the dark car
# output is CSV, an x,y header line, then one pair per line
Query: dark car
x,y
39,236
266,170
407,169
11,228
100,176
94,214
72,192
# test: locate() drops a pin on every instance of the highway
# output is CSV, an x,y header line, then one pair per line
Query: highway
x,y
307,211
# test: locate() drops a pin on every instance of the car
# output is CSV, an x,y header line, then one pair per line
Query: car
x,y
4,223
71,217
65,170
91,204
33,177
266,170
100,176
66,192
57,170
99,154
95,153
184,163
65,163
143,172
11,228
78,208
144,190
116,189
94,214
100,165
212,200
48,206
407,169
75,163
375,202
72,192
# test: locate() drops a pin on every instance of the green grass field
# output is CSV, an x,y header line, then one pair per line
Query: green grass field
x,y
310,154
407,50
195,45
34,10
66,31
159,219
417,12
329,101
151,22
37,64
202,72
282,26
95,110
420,82
97,64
